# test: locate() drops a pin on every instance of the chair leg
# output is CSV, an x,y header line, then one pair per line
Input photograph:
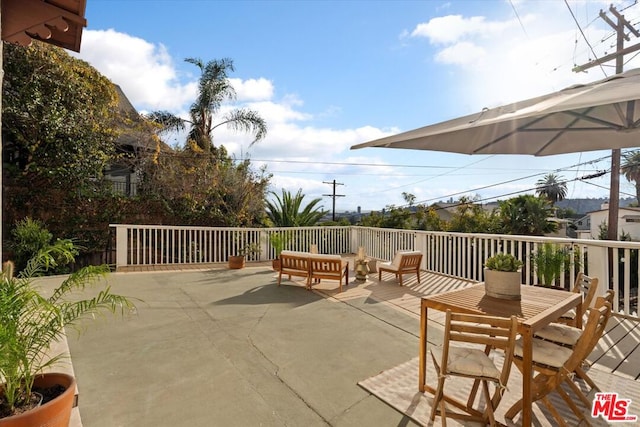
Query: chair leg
x,y
578,413
489,403
418,273
514,410
578,392
399,277
586,378
553,411
379,275
437,399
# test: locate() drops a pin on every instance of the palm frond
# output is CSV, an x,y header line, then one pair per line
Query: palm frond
x,y
168,122
245,121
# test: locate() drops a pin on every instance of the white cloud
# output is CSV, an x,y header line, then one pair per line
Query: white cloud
x,y
452,28
463,53
145,72
252,89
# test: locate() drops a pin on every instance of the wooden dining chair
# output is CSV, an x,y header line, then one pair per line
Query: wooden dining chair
x,y
555,364
473,362
568,336
587,286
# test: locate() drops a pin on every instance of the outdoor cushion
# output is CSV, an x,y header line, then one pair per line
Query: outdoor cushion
x,y
545,353
570,314
559,333
467,361
325,257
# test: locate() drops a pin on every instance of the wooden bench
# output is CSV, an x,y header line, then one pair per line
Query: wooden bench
x,y
331,267
313,267
404,262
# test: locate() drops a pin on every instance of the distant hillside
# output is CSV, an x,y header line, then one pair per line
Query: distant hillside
x,y
582,206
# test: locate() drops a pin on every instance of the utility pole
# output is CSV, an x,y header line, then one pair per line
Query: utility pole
x,y
618,55
333,195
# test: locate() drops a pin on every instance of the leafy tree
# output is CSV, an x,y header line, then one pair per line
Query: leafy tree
x,y
60,124
214,88
287,211
526,215
630,168
201,190
552,187
427,219
471,217
409,198
58,117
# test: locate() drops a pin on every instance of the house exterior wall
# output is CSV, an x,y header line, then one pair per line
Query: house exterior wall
x,y
626,223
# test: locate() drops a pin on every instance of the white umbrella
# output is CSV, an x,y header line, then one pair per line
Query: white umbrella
x,y
596,116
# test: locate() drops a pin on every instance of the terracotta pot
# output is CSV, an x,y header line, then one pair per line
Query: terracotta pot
x,y
55,413
276,264
236,262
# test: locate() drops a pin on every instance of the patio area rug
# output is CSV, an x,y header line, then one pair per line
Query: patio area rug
x,y
398,387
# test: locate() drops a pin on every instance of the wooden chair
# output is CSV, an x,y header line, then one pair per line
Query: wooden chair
x,y
404,262
587,286
473,362
568,336
555,364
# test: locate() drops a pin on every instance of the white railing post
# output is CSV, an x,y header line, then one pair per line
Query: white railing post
x,y
121,245
598,266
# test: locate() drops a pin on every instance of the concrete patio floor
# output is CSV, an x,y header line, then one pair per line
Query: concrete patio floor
x,y
230,348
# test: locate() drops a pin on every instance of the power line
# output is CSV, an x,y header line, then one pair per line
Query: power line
x,y
583,178
514,180
583,35
518,17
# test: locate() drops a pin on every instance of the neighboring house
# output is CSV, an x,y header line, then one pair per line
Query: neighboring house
x,y
628,223
134,139
444,210
583,227
563,227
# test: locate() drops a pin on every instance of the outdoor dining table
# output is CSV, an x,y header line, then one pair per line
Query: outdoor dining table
x,y
538,307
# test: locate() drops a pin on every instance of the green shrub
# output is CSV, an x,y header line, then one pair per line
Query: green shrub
x,y
550,262
30,236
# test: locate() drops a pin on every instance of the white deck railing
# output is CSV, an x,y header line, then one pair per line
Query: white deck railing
x,y
455,254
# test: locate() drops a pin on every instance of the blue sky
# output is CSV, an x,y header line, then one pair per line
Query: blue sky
x,y
327,75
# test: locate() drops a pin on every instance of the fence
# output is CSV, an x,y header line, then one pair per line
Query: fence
x,y
460,255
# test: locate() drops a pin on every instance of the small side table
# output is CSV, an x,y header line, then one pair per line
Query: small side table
x,y
361,268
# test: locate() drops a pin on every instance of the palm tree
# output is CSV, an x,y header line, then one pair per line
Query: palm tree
x,y
552,187
630,168
214,88
286,211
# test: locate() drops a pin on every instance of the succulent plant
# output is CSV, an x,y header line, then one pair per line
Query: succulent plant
x,y
503,262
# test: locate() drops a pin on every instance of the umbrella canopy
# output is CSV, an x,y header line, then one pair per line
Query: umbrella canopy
x,y
596,116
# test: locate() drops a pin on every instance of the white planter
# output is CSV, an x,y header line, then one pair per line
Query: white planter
x,y
502,284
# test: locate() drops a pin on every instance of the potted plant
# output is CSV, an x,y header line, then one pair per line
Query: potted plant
x,y
30,322
278,241
239,260
550,261
502,276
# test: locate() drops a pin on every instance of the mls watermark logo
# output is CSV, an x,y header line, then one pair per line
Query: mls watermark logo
x,y
612,408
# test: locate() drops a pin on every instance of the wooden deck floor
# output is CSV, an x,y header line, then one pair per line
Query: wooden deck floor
x,y
618,351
